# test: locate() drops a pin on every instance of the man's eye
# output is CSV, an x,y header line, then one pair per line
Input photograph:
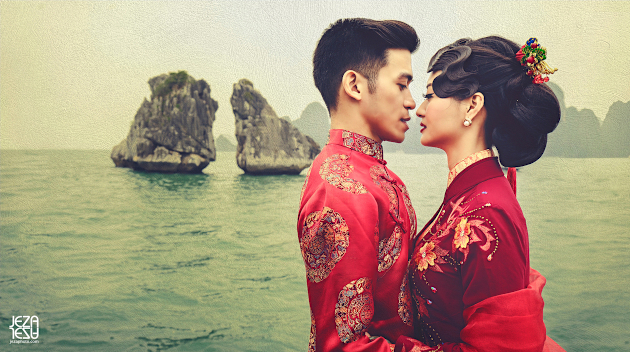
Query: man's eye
x,y
402,86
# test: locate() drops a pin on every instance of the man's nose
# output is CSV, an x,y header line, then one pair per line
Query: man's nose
x,y
409,103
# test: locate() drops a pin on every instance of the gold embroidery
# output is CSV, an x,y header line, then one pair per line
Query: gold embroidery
x,y
336,170
362,144
462,234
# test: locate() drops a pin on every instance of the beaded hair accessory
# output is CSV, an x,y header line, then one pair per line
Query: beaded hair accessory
x,y
532,55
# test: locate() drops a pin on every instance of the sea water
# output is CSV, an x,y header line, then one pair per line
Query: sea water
x,y
110,259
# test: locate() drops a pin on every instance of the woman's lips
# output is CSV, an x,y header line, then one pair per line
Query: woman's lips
x,y
422,127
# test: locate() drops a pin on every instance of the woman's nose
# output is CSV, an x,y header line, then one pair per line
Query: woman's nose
x,y
421,109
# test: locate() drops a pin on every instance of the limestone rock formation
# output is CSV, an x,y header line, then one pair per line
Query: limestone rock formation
x,y
173,131
267,144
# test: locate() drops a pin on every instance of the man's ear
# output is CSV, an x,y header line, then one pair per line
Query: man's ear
x,y
475,105
352,84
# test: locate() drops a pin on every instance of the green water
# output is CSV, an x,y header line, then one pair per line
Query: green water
x,y
115,260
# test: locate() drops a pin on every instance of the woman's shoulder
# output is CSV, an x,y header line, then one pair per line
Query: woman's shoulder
x,y
491,205
492,195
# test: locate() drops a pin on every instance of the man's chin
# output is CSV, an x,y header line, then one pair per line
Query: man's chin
x,y
396,139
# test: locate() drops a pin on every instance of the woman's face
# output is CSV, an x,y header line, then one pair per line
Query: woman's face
x,y
442,118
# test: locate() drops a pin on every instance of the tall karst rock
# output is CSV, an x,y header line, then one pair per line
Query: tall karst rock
x,y
267,144
173,131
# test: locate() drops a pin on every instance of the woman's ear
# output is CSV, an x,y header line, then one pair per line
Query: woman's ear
x,y
352,84
475,105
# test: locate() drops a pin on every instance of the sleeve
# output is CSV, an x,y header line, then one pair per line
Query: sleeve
x,y
337,229
496,261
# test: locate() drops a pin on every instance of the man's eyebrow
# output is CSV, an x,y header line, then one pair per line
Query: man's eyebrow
x,y
408,76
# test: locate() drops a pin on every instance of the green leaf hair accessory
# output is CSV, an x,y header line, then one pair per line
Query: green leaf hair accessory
x,y
532,55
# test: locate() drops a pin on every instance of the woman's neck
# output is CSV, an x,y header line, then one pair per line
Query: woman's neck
x,y
459,152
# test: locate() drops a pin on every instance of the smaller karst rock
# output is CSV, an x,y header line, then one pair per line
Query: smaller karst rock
x,y
173,131
267,144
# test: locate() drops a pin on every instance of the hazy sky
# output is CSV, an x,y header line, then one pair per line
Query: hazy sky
x,y
73,74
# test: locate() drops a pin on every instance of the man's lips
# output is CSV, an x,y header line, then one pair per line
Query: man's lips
x,y
404,120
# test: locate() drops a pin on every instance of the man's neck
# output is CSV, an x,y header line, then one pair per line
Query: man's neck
x,y
352,122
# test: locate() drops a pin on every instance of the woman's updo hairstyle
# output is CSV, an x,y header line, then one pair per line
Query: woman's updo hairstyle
x,y
520,113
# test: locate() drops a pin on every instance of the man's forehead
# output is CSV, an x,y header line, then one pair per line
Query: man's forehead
x,y
399,63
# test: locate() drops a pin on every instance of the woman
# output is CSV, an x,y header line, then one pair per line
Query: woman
x,y
469,273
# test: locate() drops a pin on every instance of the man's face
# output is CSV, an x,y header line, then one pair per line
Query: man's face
x,y
386,110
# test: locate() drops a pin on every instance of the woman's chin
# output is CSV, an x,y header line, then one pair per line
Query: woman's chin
x,y
428,143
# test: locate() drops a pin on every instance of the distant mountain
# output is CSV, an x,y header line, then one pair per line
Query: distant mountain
x,y
579,134
615,131
314,122
224,145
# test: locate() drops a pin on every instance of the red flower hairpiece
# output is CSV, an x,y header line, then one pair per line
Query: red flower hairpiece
x,y
532,55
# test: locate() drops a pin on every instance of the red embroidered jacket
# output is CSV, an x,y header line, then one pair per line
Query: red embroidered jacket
x,y
354,229
469,272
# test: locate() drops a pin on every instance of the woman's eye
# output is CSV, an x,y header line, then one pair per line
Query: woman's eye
x,y
427,96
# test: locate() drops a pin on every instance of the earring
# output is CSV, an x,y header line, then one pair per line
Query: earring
x,y
467,122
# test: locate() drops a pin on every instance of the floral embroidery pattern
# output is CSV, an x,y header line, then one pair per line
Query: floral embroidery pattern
x,y
429,256
389,249
462,234
425,256
466,227
404,302
382,179
311,340
362,144
410,211
336,169
354,309
480,231
325,238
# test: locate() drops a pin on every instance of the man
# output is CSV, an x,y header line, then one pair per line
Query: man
x,y
356,218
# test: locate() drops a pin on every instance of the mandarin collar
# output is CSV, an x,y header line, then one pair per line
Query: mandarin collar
x,y
466,162
357,142
474,174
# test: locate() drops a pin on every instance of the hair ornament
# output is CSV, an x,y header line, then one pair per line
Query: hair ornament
x,y
532,55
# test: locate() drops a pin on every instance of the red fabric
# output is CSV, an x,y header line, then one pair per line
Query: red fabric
x,y
471,256
476,247
354,228
511,176
508,322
